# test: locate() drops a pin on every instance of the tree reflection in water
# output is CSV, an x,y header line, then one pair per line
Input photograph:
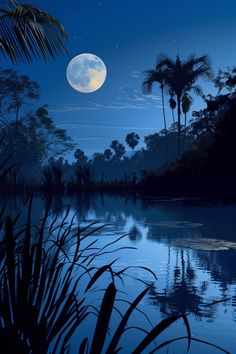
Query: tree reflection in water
x,y
182,295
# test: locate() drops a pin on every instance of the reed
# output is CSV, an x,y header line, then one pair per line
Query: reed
x,y
46,275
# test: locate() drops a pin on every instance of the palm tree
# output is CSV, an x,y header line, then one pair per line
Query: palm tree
x,y
158,76
132,140
27,32
180,77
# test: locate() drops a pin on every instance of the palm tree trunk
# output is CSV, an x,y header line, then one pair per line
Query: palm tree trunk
x,y
173,116
164,118
179,125
185,124
163,109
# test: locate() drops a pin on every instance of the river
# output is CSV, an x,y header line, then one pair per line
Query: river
x,y
189,246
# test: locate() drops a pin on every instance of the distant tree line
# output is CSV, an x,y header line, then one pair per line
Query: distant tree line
x,y
33,147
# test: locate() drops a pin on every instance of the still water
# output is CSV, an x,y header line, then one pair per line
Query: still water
x,y
190,247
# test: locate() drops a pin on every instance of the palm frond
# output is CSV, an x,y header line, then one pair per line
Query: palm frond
x,y
198,67
197,90
164,61
151,77
26,32
148,82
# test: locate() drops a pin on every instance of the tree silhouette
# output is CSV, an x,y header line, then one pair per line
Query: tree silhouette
x,y
180,77
32,140
158,76
118,148
151,141
107,154
226,79
80,157
27,32
132,139
15,92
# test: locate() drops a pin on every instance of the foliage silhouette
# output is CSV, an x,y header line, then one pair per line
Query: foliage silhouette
x,y
32,140
208,165
179,77
41,270
118,149
152,76
132,139
27,32
15,92
226,79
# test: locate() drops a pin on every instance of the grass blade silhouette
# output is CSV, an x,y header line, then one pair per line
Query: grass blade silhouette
x,y
121,327
154,333
103,320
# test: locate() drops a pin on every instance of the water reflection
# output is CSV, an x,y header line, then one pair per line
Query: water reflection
x,y
165,234
183,293
135,234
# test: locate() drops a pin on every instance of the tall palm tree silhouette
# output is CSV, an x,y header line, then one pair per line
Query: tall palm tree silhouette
x,y
180,77
158,76
26,33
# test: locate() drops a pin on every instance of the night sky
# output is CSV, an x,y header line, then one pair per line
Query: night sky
x,y
128,35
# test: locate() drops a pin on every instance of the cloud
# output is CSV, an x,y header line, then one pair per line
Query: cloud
x,y
73,125
128,99
135,74
93,106
135,95
93,138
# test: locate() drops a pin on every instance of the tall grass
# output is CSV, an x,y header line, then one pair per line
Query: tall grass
x,y
46,275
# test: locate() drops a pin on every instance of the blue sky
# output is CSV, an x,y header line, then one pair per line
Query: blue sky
x,y
128,35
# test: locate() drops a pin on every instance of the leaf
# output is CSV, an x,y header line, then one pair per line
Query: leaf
x,y
103,320
84,346
154,333
26,32
121,327
97,275
188,330
164,344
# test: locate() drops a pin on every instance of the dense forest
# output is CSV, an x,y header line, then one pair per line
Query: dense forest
x,y
193,156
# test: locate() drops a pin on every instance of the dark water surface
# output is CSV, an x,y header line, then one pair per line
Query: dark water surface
x,y
191,249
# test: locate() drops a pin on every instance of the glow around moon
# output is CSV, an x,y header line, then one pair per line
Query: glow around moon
x,y
86,73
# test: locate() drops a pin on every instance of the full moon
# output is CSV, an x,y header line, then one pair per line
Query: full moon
x,y
86,73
